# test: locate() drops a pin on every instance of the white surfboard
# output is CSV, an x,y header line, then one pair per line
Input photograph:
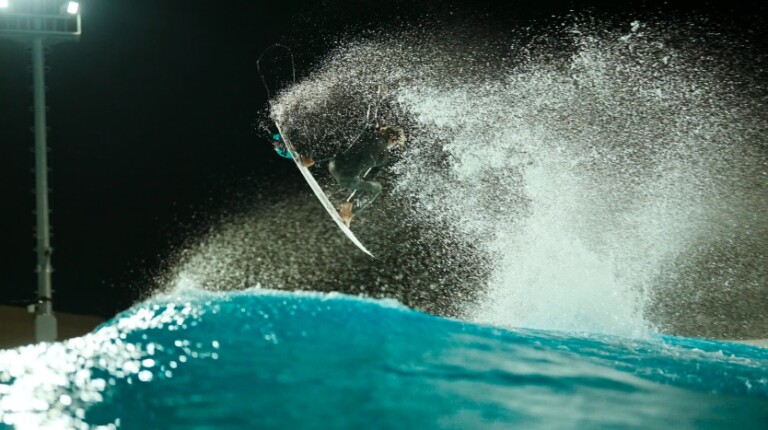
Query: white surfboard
x,y
321,194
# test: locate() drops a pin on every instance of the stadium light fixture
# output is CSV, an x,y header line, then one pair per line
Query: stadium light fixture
x,y
73,7
36,24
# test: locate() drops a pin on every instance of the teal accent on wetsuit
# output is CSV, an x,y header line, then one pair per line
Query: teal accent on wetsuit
x,y
283,152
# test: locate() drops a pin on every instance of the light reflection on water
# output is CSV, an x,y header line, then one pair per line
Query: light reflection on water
x,y
51,385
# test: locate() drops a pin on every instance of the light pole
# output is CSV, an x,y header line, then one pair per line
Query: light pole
x,y
41,23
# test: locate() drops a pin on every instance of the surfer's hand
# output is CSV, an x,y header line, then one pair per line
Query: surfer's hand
x,y
306,161
401,139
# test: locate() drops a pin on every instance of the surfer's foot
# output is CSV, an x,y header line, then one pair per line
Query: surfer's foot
x,y
345,211
306,161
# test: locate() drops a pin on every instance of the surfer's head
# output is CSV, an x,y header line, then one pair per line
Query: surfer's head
x,y
394,136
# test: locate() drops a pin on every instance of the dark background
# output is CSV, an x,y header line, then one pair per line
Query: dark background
x,y
153,124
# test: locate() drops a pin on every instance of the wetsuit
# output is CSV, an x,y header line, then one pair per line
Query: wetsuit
x,y
348,168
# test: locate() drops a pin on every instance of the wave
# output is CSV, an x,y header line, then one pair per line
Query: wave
x,y
271,359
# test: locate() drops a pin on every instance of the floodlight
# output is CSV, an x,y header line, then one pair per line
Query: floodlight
x,y
73,7
40,26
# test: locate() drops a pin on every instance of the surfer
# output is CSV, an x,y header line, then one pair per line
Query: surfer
x,y
367,154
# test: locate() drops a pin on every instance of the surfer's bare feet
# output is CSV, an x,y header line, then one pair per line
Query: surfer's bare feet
x,y
306,161
345,211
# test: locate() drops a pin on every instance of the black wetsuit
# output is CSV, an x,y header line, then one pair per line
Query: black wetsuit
x,y
348,167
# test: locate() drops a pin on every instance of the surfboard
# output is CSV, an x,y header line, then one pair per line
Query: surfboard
x,y
320,194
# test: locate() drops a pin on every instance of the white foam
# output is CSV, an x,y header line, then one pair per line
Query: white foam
x,y
584,180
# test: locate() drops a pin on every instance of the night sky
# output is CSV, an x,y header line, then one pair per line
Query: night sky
x,y
152,127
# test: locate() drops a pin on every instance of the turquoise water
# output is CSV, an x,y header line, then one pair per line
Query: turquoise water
x,y
267,359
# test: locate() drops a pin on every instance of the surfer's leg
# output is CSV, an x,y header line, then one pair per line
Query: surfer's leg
x,y
372,189
348,172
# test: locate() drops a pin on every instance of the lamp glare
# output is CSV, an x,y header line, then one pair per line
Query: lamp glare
x,y
3,4
73,7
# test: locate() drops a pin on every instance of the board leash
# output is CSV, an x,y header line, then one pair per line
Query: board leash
x,y
261,74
